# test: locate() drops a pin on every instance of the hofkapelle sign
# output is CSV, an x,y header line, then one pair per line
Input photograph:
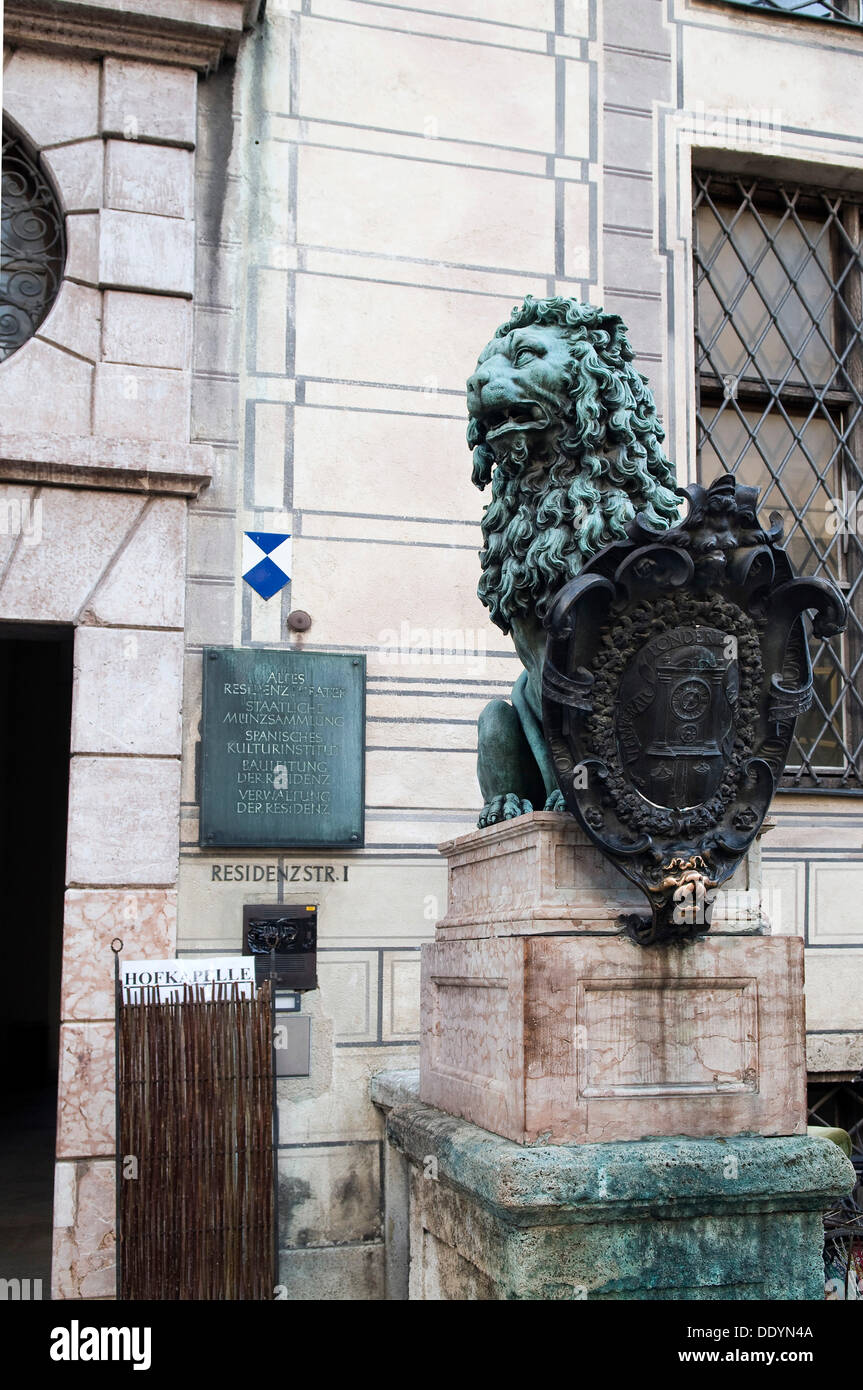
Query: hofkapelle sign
x,y
211,978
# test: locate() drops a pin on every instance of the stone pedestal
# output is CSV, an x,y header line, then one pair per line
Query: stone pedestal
x,y
543,1023
572,1040
471,1215
539,874
597,1119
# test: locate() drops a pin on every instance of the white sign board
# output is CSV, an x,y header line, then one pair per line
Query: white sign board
x,y
170,976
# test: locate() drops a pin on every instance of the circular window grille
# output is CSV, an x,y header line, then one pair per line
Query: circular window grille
x,y
32,246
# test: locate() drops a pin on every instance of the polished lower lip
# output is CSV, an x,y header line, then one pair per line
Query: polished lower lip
x,y
516,425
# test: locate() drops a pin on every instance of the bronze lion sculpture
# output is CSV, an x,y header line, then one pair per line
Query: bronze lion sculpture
x,y
566,432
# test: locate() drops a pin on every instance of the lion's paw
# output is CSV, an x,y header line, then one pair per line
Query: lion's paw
x,y
555,802
503,808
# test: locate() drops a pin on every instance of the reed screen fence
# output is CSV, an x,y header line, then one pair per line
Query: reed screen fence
x,y
195,1198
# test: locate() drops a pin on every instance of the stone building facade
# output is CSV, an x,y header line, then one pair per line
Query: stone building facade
x,y
288,235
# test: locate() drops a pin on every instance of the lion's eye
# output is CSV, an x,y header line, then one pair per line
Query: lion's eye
x,y
523,355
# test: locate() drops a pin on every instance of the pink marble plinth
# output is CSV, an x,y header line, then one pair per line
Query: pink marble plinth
x,y
543,1023
576,1040
540,873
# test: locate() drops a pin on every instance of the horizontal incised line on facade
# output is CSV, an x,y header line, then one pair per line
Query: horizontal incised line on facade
x,y
467,982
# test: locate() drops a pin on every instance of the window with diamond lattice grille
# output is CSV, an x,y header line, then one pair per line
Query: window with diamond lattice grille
x,y
839,11
779,376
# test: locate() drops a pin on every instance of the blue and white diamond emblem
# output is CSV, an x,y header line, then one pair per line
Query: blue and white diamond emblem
x,y
266,561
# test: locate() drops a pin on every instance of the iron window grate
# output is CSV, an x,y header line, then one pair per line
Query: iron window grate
x,y
32,243
840,1105
779,373
846,12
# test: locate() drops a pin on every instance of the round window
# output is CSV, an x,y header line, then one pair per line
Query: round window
x,y
32,247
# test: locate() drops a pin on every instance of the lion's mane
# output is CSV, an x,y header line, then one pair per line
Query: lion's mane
x,y
544,520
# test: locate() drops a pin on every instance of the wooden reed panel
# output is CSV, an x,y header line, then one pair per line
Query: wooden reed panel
x,y
195,1101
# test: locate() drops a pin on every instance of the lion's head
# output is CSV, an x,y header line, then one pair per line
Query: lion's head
x,y
566,432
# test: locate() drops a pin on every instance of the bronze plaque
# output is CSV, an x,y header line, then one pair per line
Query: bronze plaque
x,y
283,735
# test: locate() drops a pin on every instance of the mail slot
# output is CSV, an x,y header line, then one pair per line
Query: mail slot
x,y
283,938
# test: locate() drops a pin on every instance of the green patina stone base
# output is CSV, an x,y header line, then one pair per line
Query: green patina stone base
x,y
474,1216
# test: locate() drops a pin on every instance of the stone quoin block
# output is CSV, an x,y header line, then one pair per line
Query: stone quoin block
x,y
141,402
209,613
75,321
73,110
123,821
82,247
144,919
78,172
83,1261
39,377
84,1257
141,251
127,691
17,503
145,100
148,178
80,532
212,544
145,587
146,330
85,1090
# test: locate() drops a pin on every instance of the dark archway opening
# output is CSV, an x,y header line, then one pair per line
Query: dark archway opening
x,y
35,723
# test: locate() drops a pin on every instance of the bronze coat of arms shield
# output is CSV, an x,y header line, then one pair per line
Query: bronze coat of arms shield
x,y
676,666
